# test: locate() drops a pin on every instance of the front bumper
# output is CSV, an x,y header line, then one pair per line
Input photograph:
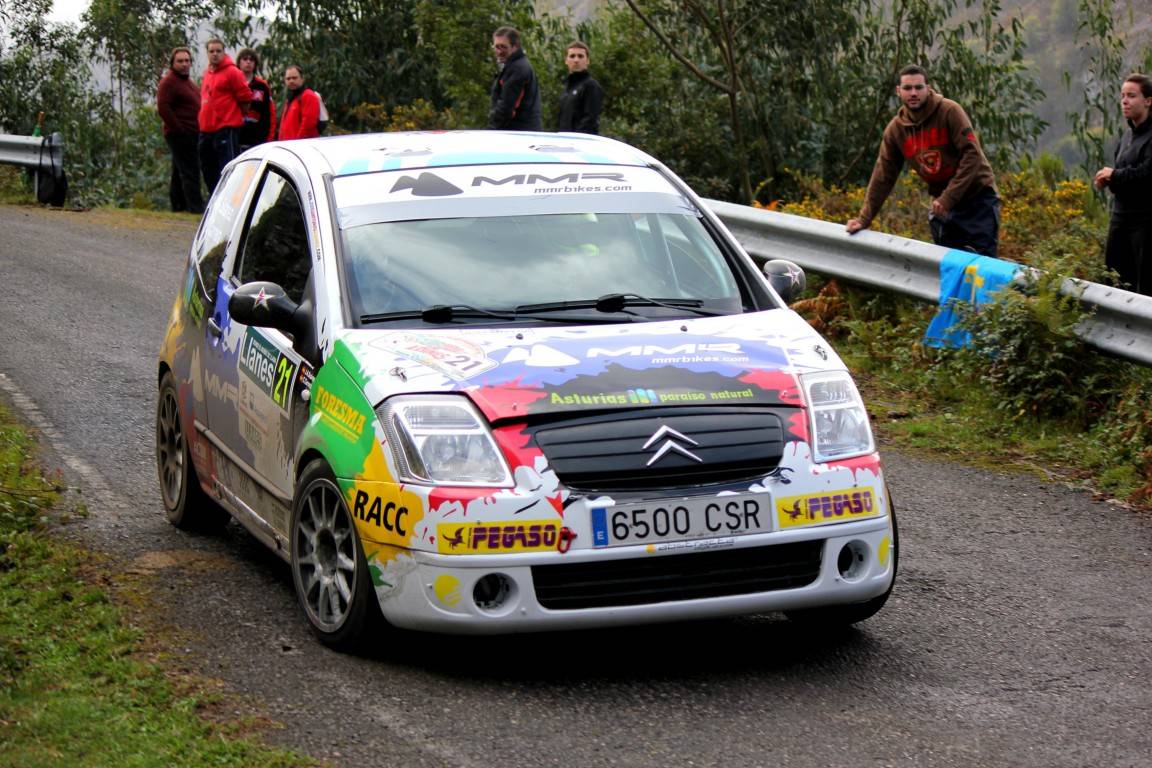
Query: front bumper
x,y
843,563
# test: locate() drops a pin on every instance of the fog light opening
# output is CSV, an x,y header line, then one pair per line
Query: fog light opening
x,y
852,561
493,593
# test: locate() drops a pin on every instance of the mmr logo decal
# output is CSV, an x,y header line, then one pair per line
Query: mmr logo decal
x,y
426,185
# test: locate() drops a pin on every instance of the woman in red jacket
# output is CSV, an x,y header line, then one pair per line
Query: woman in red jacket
x,y
302,109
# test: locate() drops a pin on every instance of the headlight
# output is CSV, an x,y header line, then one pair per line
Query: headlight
x,y
442,440
840,427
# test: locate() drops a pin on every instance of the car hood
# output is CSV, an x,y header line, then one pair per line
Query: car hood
x,y
518,372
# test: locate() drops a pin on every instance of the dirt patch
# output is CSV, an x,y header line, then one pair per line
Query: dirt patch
x,y
151,562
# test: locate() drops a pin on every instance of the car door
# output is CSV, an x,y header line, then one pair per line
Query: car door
x,y
211,247
255,433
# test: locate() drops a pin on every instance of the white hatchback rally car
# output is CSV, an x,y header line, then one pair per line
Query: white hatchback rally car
x,y
490,382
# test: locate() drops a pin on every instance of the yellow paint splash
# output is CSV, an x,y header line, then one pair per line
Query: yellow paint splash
x,y
447,589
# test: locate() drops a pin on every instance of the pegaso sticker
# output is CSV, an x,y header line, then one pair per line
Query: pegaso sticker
x,y
818,508
476,538
265,365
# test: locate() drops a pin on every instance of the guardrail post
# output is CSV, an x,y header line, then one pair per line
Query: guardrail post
x,y
44,157
51,182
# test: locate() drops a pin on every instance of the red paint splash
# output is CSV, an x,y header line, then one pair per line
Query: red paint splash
x,y
784,384
505,401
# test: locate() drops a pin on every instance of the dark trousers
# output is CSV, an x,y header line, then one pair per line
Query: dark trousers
x,y
1129,246
973,225
184,189
216,151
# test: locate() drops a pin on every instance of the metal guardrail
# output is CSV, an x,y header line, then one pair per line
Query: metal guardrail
x,y
1120,321
44,156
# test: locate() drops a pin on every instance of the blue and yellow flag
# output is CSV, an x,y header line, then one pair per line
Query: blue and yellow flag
x,y
970,278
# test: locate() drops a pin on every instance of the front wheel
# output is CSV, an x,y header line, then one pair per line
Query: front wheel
x,y
328,564
843,615
185,503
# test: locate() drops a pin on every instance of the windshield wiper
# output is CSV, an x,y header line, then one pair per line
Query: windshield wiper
x,y
618,302
447,313
437,313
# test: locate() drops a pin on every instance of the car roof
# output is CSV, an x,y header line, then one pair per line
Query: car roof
x,y
366,153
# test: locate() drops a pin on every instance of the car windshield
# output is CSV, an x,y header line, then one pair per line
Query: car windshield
x,y
505,262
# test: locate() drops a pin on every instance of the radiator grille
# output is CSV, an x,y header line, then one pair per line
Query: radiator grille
x,y
705,446
670,578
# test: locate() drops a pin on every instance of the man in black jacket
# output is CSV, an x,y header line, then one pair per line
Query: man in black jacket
x,y
515,91
583,98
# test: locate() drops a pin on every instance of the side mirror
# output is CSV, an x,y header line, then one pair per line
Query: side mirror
x,y
786,278
264,305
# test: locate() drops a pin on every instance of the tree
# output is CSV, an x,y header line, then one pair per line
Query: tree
x,y
809,86
354,51
1103,50
459,35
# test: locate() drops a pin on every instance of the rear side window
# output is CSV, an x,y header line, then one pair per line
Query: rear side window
x,y
276,244
217,226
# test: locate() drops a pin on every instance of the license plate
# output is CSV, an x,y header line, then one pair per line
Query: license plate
x,y
697,517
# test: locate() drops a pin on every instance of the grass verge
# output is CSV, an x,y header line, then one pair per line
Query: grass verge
x,y
940,404
79,683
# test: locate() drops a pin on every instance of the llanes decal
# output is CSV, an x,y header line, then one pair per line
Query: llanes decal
x,y
273,372
477,538
817,508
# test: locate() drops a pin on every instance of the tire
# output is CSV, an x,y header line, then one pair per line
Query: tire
x,y
185,503
852,613
329,570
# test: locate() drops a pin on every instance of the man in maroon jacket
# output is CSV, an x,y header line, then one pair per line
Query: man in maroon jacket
x,y
224,100
934,135
178,102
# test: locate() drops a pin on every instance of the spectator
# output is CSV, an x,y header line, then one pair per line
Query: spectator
x,y
260,122
515,91
224,100
1130,181
178,102
935,135
301,108
583,98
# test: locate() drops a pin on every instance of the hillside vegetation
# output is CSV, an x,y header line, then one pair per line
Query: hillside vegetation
x,y
782,109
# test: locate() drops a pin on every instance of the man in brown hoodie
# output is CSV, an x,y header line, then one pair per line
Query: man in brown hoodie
x,y
935,136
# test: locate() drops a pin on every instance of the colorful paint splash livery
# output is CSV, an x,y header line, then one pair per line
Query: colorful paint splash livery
x,y
568,453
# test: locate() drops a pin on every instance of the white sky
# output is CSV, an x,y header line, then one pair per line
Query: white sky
x,y
68,10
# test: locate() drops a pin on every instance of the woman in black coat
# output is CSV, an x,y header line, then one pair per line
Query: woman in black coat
x,y
1129,249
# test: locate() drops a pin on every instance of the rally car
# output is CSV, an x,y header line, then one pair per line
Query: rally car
x,y
486,382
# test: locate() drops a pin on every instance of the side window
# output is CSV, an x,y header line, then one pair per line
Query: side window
x,y
212,240
276,246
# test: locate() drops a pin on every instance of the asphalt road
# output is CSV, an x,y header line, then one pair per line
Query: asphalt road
x,y
1019,633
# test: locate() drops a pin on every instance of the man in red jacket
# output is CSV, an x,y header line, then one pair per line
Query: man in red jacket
x,y
301,110
178,102
224,100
